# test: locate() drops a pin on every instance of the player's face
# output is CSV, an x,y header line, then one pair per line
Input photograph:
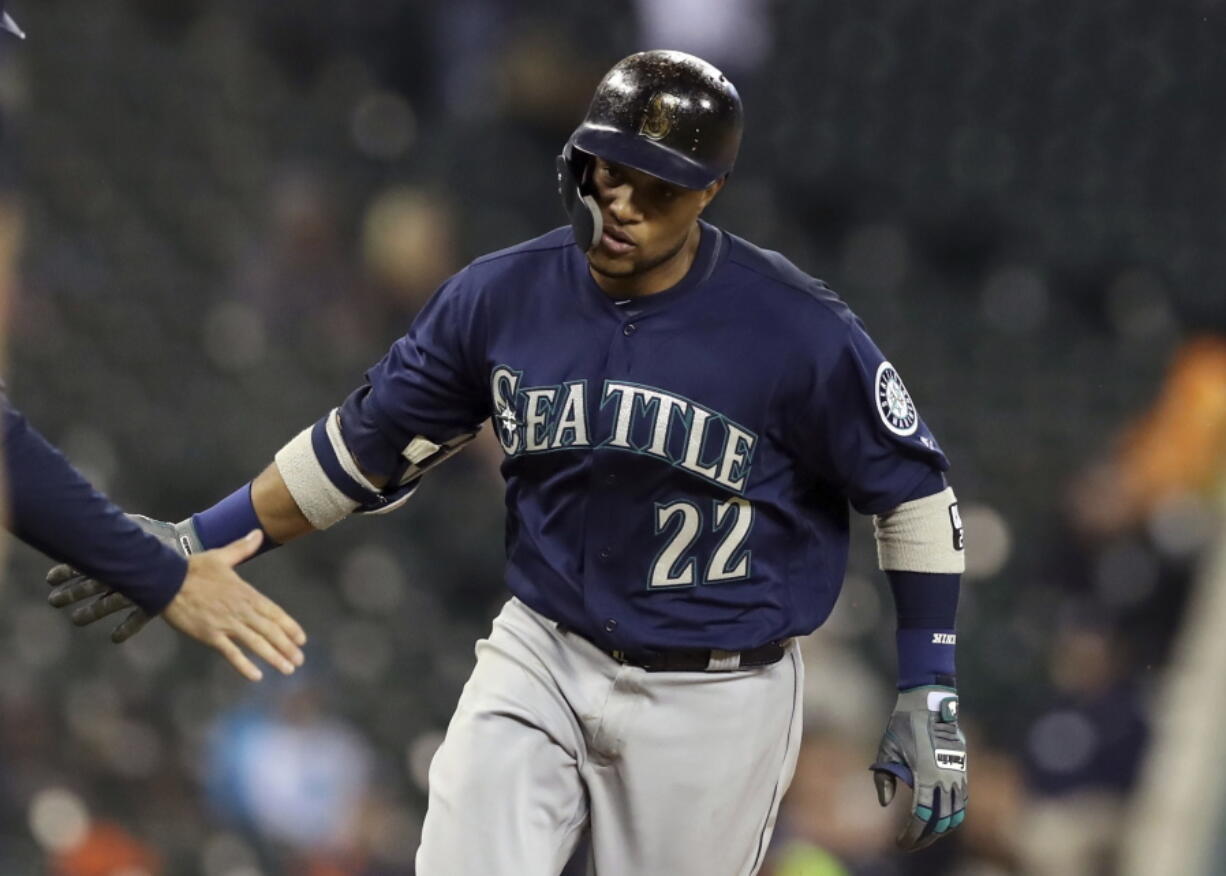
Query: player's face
x,y
647,222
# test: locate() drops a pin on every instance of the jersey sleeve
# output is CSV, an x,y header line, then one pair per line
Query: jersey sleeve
x,y
857,425
53,508
430,385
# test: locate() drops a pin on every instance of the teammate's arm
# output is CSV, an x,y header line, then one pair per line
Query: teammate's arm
x,y
53,508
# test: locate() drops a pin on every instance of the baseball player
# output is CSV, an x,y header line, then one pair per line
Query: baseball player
x,y
685,419
50,506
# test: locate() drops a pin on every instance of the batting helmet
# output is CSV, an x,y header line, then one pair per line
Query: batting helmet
x,y
668,114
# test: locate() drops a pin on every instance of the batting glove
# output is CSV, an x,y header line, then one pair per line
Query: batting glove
x,y
70,586
924,748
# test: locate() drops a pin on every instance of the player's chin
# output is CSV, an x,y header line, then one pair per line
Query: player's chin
x,y
612,265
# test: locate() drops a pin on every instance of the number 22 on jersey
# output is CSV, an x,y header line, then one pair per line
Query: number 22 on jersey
x,y
682,520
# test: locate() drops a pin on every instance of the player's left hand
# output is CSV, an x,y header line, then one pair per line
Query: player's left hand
x,y
924,748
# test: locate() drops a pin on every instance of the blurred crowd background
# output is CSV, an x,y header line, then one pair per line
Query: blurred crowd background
x,y
231,207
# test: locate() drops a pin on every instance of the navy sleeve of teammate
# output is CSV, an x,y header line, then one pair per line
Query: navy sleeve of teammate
x,y
428,389
859,426
53,508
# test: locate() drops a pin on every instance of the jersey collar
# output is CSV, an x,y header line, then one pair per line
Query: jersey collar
x,y
711,247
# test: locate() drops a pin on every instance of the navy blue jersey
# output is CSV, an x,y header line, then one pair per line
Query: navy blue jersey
x,y
677,475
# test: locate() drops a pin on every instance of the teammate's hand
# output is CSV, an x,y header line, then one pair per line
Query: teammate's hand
x,y
924,748
218,608
69,586
214,605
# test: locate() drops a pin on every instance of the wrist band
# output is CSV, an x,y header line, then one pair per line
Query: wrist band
x,y
925,657
927,605
229,520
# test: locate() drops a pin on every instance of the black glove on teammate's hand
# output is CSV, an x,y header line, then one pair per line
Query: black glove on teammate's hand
x,y
924,748
70,586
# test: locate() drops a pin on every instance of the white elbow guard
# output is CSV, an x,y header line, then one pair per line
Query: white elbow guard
x,y
923,535
327,484
323,498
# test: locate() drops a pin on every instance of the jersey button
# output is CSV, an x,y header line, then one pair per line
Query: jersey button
x,y
610,625
605,553
629,328
610,479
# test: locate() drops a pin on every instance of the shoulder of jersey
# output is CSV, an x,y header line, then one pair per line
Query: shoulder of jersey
x,y
549,244
779,282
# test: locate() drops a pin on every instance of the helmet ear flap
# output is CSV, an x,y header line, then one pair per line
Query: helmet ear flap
x,y
574,185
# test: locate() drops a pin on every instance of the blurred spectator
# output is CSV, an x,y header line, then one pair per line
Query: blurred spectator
x,y
1174,452
409,247
1082,758
292,776
78,845
107,850
1141,514
1139,518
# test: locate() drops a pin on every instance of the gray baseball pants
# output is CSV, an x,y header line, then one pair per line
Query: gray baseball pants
x,y
675,773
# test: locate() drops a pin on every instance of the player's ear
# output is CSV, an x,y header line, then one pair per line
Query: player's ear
x,y
709,193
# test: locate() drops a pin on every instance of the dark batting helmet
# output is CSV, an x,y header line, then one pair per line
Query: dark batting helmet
x,y
668,114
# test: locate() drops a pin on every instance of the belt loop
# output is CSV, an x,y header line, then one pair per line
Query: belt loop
x,y
723,661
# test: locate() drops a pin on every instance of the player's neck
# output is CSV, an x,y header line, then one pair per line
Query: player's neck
x,y
657,278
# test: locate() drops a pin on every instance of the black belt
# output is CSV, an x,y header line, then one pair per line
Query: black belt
x,y
695,660
702,660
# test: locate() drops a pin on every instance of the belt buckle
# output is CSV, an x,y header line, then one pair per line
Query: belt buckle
x,y
619,656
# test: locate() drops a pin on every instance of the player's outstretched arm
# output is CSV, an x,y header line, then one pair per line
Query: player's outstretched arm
x,y
344,464
313,483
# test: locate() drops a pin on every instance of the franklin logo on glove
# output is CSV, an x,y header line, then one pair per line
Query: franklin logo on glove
x,y
951,760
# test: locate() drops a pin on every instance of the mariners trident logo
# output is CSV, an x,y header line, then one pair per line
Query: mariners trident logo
x,y
894,402
508,422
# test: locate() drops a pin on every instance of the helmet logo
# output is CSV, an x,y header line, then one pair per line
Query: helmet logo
x,y
658,119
